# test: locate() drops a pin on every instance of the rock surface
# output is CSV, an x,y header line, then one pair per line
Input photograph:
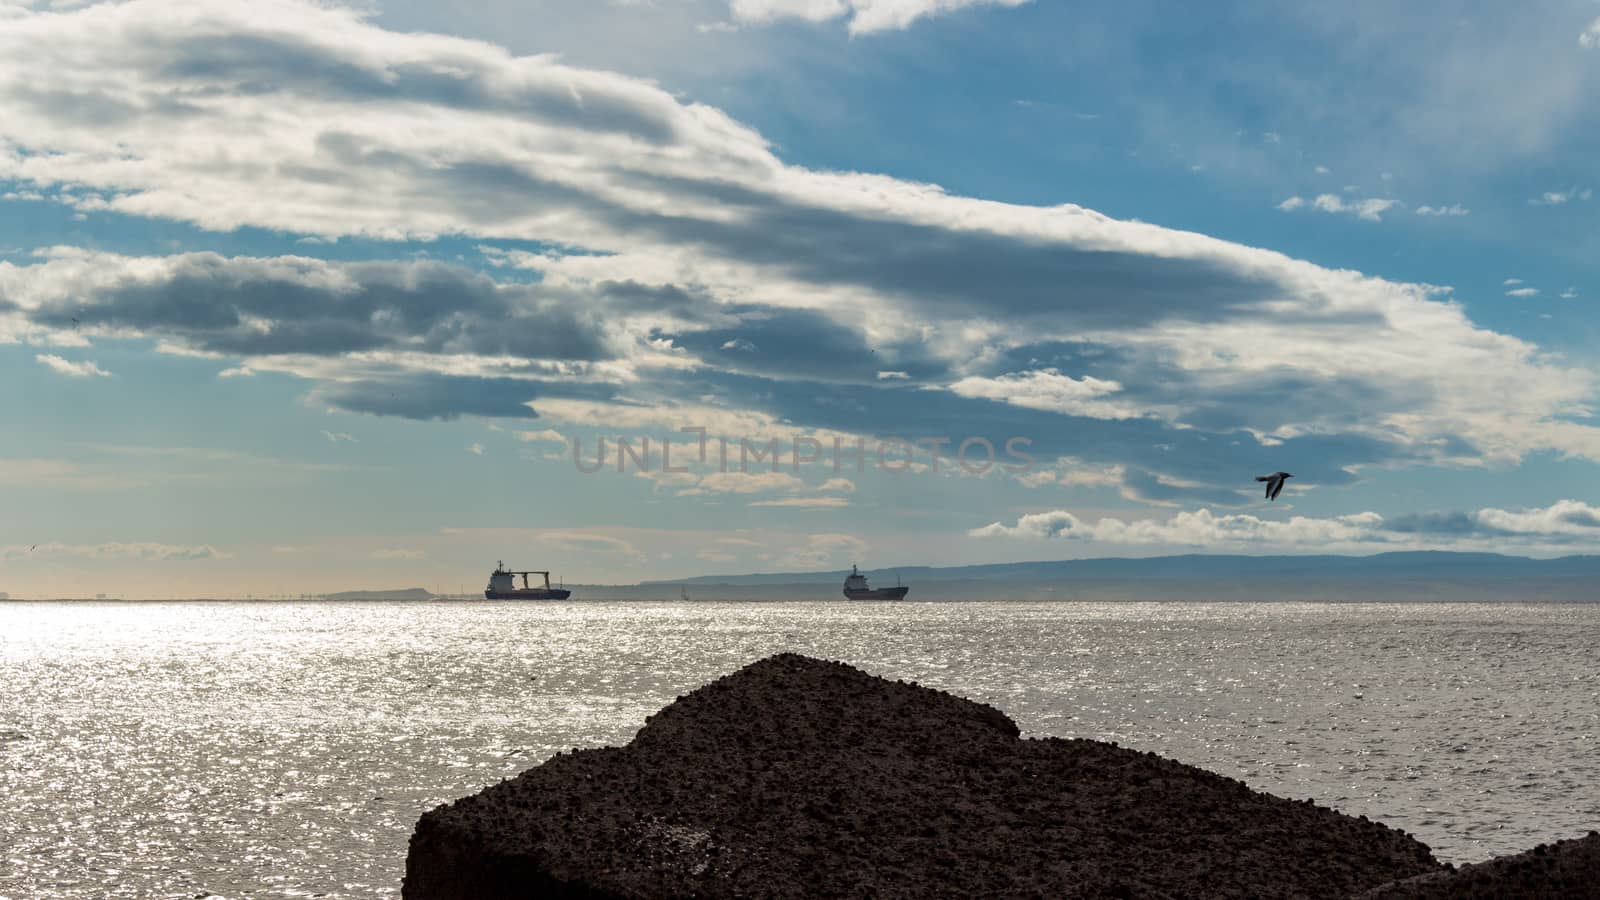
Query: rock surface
x,y
1561,871
795,777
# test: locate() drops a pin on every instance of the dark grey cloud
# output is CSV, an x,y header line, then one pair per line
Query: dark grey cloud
x,y
1199,466
254,307
1260,400
688,304
494,194
954,273
1581,517
799,366
1269,397
1446,523
1148,485
255,64
803,344
1462,524
97,107
445,397
931,269
1077,358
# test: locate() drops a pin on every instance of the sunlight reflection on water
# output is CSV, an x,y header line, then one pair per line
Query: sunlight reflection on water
x,y
286,749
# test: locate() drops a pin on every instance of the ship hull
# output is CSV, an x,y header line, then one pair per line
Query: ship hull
x,y
894,593
534,594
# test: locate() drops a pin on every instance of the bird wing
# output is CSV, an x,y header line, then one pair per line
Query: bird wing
x,y
1277,488
1263,477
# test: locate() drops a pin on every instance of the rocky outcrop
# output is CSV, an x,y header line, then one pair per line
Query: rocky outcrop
x,y
1564,870
795,777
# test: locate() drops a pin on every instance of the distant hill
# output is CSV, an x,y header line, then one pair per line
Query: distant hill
x,y
1424,563
1399,576
1416,575
398,594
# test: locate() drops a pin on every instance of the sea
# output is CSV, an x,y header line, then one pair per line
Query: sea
x,y
285,749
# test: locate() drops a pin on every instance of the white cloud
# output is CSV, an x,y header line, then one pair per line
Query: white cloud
x,y
1198,528
763,11
140,551
548,435
59,473
115,467
335,437
1048,389
739,542
1569,293
1564,522
398,553
866,16
1511,281
1323,170
1523,292
750,482
476,449
892,375
1564,517
587,542
1073,472
1556,198
1371,209
85,369
822,550
843,485
1590,38
806,502
1455,209
237,372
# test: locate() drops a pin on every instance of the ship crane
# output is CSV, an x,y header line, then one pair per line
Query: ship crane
x,y
525,585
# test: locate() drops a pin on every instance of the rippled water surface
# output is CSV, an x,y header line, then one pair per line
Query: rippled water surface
x,y
285,749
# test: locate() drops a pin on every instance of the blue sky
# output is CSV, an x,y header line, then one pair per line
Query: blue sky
x,y
348,281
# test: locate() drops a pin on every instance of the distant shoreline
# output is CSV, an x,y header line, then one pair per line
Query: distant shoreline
x,y
1411,576
579,601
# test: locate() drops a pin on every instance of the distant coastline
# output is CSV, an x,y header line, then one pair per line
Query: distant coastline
x,y
1420,576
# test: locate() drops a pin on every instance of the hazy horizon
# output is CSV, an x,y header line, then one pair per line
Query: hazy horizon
x,y
1427,575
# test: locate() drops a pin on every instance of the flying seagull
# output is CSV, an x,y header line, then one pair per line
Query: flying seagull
x,y
1274,483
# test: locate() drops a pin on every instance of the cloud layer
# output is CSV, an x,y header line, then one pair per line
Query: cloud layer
x,y
864,16
145,551
647,254
1560,525
82,369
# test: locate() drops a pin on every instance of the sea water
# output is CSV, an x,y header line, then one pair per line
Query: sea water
x,y
286,749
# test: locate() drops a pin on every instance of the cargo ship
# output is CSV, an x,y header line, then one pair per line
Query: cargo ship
x,y
855,588
503,586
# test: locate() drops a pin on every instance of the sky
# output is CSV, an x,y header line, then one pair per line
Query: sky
x,y
299,297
